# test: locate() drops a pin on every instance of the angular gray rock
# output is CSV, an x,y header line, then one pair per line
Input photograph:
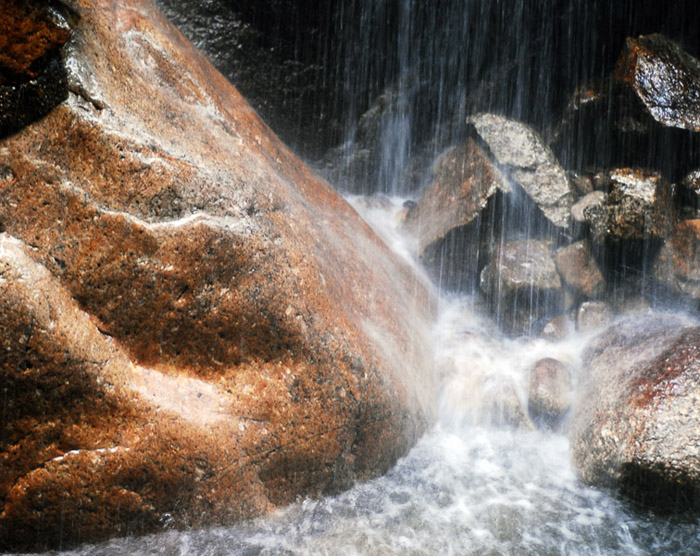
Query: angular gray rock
x,y
525,158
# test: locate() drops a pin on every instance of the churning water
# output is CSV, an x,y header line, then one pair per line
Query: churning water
x,y
471,486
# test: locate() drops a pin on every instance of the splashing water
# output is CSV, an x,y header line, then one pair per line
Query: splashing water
x,y
470,486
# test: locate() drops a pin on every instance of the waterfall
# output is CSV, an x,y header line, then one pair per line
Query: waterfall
x,y
403,78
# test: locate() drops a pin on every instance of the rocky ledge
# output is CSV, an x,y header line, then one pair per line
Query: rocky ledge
x,y
195,328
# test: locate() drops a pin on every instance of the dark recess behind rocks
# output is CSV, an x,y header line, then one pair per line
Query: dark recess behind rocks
x,y
312,68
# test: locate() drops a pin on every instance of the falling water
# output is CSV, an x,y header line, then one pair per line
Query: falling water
x,y
405,75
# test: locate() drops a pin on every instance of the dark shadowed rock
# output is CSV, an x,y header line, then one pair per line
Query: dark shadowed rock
x,y
525,159
646,113
664,77
635,423
194,328
521,285
579,270
32,78
549,392
450,219
678,264
638,206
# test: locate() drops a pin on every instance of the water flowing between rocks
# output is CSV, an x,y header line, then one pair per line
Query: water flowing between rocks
x,y
475,484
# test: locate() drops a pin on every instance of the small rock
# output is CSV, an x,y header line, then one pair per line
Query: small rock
x,y
522,285
558,328
593,315
579,270
583,185
590,199
549,392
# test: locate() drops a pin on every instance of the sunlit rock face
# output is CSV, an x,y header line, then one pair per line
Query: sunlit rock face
x,y
635,423
638,206
454,221
195,328
665,78
521,153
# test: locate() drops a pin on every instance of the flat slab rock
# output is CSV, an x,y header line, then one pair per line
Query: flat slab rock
x,y
194,328
526,159
635,423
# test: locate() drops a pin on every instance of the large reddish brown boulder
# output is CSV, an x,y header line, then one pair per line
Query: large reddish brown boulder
x,y
195,328
635,422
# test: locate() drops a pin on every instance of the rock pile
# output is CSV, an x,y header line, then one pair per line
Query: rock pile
x,y
513,211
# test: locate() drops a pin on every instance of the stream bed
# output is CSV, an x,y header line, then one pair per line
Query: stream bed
x,y
471,486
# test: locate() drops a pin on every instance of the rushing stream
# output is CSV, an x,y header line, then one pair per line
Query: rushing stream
x,y
469,487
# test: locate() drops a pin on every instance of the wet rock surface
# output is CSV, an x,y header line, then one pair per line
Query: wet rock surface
x,y
187,327
678,264
32,77
635,423
453,220
579,270
549,392
664,77
638,206
593,315
526,160
522,285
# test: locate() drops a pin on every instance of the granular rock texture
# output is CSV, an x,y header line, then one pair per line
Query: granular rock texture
x,y
635,424
664,77
195,328
32,78
453,220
